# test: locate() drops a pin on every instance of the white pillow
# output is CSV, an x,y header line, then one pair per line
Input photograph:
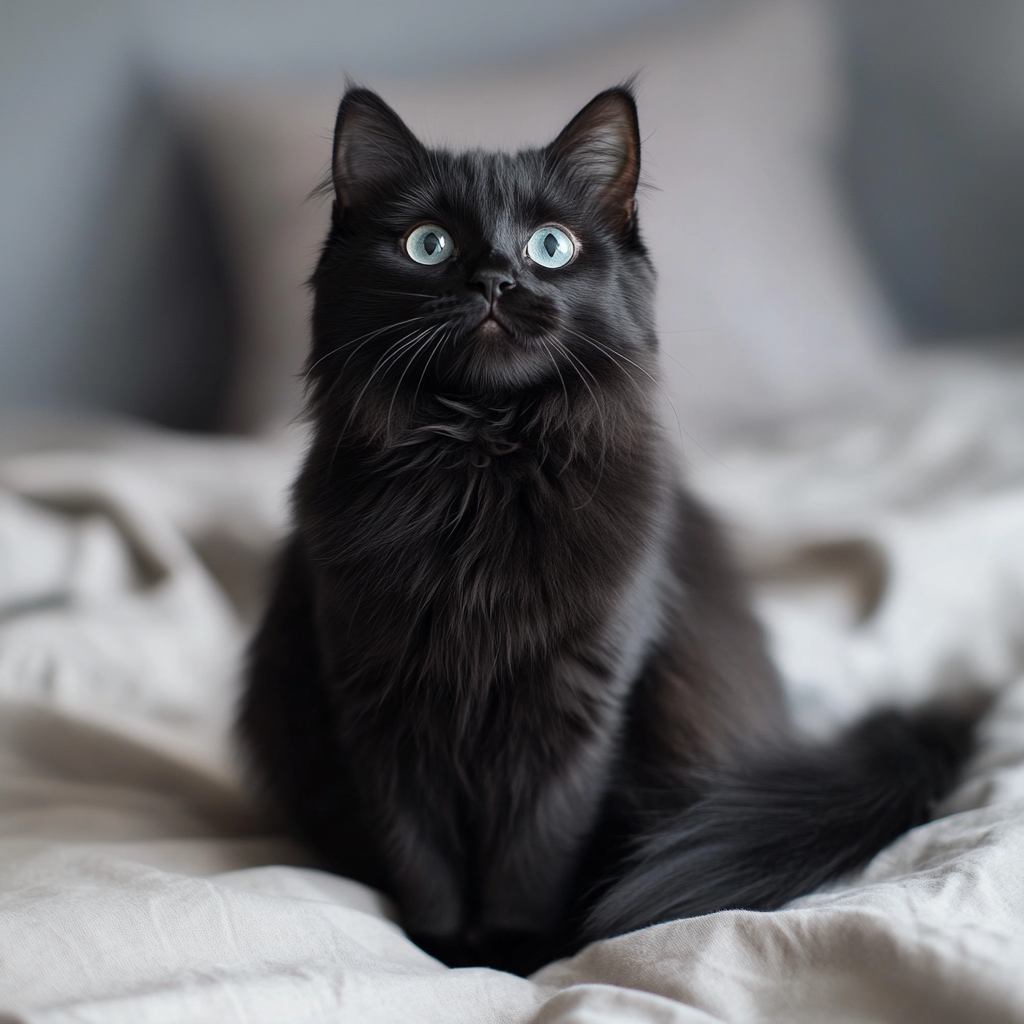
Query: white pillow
x,y
765,306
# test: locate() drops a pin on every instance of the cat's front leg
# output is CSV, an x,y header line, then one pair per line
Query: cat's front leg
x,y
529,880
429,885
529,884
415,823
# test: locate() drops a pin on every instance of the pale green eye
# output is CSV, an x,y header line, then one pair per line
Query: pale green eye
x,y
550,247
429,244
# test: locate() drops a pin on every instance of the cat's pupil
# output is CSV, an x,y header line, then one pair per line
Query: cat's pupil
x,y
431,243
550,245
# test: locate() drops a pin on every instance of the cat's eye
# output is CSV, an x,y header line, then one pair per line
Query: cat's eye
x,y
429,244
550,247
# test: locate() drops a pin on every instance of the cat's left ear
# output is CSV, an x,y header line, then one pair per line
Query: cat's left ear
x,y
600,147
371,144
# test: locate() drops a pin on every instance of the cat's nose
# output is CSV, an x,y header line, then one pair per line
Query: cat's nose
x,y
492,282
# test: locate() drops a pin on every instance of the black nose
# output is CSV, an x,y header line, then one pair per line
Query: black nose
x,y
492,282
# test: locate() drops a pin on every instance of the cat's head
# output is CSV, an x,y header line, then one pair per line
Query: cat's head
x,y
481,273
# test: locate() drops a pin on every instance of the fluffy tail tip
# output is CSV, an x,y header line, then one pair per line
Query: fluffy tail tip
x,y
782,824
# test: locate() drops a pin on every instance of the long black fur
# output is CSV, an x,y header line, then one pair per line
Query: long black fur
x,y
768,830
508,674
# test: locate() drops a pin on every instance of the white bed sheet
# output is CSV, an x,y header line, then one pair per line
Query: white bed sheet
x,y
138,885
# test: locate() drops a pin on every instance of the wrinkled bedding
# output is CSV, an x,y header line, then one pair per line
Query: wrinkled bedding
x,y
137,883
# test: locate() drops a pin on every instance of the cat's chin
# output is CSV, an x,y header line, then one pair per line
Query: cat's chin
x,y
501,361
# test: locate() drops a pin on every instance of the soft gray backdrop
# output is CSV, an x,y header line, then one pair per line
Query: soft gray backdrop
x,y
113,290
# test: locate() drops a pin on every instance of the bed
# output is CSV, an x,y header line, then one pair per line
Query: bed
x,y
138,883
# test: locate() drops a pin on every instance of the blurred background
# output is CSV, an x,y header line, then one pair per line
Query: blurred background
x,y
138,177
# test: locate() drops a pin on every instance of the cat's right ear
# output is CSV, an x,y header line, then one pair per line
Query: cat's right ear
x,y
600,148
370,143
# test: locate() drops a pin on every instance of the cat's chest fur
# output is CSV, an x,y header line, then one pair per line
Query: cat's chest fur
x,y
478,556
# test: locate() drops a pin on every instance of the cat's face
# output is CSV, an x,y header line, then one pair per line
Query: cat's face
x,y
482,272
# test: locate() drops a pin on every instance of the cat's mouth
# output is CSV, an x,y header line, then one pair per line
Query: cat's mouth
x,y
492,327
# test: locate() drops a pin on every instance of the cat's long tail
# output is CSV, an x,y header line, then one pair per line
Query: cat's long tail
x,y
783,824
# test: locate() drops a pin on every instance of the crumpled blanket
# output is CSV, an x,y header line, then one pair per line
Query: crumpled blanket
x,y
138,884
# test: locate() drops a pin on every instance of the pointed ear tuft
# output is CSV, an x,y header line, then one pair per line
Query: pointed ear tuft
x,y
370,142
601,146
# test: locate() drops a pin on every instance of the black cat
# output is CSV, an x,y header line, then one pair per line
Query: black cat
x,y
508,674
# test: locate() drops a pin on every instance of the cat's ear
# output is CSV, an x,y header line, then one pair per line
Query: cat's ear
x,y
601,148
370,143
